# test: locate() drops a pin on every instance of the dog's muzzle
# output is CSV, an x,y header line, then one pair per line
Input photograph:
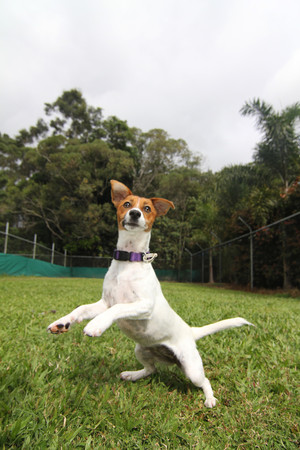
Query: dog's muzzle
x,y
135,214
134,219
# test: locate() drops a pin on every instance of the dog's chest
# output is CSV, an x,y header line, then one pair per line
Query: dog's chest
x,y
121,282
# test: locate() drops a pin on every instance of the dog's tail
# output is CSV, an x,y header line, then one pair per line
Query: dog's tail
x,y
200,332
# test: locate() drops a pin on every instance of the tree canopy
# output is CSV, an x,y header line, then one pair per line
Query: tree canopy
x,y
278,151
54,181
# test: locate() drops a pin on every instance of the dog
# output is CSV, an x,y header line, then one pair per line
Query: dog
x,y
132,297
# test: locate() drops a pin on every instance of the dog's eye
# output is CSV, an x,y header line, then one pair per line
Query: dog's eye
x,y
126,205
147,209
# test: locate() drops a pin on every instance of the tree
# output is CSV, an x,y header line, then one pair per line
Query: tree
x,y
205,219
64,189
74,118
11,154
54,181
279,153
118,134
159,154
69,116
233,186
40,130
279,150
179,225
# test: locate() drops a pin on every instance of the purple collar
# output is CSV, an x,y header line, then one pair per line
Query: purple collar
x,y
121,255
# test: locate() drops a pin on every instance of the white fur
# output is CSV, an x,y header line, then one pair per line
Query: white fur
x,y
132,297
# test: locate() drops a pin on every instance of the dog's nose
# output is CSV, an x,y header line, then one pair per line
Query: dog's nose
x,y
135,214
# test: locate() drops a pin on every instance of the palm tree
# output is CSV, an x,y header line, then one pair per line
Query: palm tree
x,y
279,151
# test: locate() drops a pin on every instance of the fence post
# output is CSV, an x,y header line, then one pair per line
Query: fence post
x,y
65,258
202,262
52,253
220,256
34,246
251,250
6,237
191,256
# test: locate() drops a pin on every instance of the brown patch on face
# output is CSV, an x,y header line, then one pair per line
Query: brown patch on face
x,y
145,205
149,211
124,200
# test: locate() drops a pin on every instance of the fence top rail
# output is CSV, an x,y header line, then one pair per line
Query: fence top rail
x,y
222,244
16,237
219,245
29,242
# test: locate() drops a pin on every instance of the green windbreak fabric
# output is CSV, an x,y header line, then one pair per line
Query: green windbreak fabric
x,y
20,265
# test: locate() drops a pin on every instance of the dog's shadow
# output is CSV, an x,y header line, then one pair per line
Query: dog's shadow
x,y
172,379
105,368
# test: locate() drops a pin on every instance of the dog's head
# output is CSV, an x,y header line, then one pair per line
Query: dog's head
x,y
136,213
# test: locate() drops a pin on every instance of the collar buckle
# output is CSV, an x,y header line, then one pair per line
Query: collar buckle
x,y
149,257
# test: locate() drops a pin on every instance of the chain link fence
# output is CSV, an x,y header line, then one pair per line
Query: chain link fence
x,y
252,259
16,245
256,258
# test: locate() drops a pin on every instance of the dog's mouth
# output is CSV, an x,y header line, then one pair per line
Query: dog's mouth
x,y
131,224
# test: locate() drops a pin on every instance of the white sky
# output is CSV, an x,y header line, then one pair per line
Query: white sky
x,y
184,66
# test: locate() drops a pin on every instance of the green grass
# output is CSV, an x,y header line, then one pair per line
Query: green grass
x,y
64,392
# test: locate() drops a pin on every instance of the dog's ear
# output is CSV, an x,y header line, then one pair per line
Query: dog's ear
x,y
162,205
118,192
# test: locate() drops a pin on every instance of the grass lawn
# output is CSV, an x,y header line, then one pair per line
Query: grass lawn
x,y
64,392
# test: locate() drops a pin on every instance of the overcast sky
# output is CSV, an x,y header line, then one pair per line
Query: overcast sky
x,y
184,66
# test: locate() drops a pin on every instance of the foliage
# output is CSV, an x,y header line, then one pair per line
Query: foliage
x,y
279,153
54,181
65,392
160,155
279,149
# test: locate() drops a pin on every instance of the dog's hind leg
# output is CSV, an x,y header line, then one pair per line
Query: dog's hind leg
x,y
145,358
192,367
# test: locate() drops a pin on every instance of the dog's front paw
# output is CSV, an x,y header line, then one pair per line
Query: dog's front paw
x,y
60,326
92,331
210,402
63,325
97,326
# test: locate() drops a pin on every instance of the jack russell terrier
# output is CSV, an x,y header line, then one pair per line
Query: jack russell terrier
x,y
132,297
